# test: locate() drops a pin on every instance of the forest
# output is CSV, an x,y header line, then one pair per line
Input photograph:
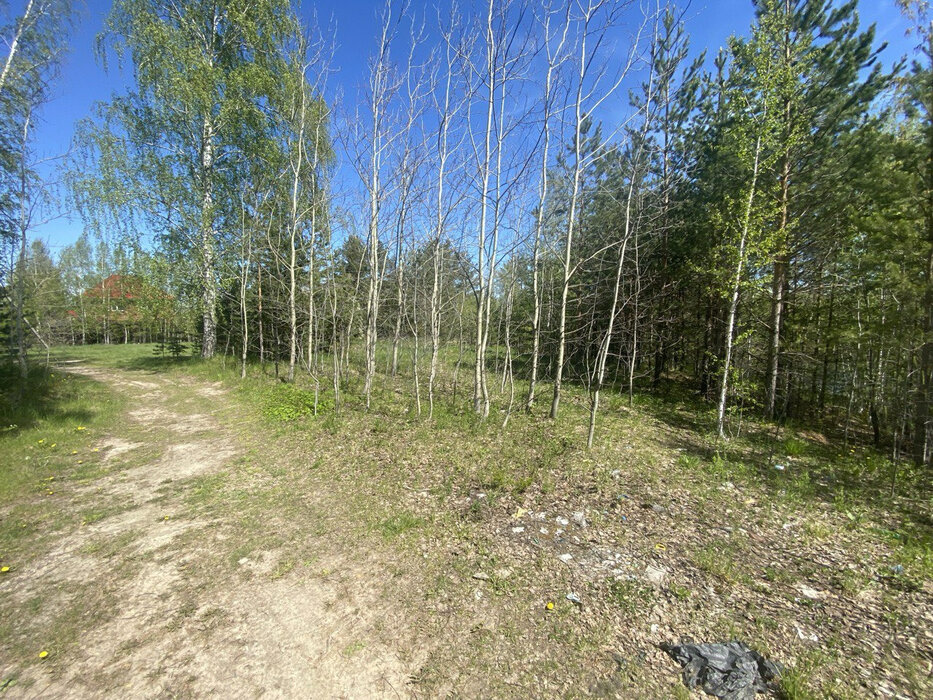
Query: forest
x,y
531,215
567,194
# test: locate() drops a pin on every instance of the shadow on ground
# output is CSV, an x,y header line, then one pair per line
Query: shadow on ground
x,y
24,403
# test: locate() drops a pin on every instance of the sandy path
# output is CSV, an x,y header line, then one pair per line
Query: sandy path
x,y
173,636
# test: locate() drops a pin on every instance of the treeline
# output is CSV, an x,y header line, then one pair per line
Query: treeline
x,y
540,193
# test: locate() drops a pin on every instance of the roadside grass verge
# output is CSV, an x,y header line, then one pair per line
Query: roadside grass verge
x,y
49,429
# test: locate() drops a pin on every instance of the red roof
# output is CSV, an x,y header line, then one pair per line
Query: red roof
x,y
116,287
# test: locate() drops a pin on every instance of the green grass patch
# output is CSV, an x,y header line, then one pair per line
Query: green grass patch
x,y
631,597
288,402
398,524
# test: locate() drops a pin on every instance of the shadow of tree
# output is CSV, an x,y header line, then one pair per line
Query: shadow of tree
x,y
154,363
25,403
793,461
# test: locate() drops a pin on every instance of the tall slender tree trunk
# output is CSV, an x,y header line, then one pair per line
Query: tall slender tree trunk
x,y
633,355
437,262
399,299
507,373
21,24
565,282
613,312
293,253
372,297
782,259
21,271
734,301
262,344
923,422
208,283
435,318
315,161
480,393
778,286
539,219
244,275
571,221
292,308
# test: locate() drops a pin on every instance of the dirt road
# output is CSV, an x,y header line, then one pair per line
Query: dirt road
x,y
169,628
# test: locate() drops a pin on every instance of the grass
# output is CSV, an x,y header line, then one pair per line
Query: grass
x,y
49,425
632,597
398,524
52,424
401,484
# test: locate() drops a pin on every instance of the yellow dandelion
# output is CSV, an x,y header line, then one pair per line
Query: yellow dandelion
x,y
80,461
4,569
96,449
43,654
81,427
549,606
74,452
41,441
53,444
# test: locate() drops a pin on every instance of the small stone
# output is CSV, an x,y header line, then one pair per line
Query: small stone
x,y
243,560
503,573
480,576
575,599
566,558
562,520
806,636
655,576
518,530
808,592
544,531
579,518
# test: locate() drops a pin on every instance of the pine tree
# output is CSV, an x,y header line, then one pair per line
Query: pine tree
x,y
827,77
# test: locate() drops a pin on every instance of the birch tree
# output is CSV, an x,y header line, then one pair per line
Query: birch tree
x,y
555,40
201,73
35,49
384,83
592,85
304,121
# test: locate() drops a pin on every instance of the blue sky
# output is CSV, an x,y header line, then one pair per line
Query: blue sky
x,y
84,81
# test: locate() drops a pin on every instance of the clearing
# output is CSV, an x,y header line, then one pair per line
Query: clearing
x,y
171,531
